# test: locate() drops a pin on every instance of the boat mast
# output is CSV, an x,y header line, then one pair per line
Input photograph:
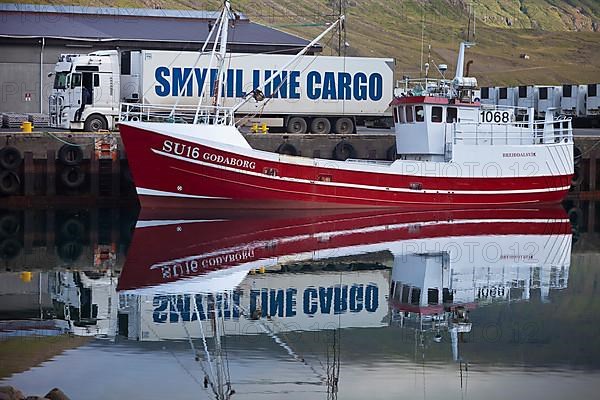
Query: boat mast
x,y
221,41
260,89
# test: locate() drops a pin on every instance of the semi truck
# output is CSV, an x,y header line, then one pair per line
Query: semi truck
x,y
318,94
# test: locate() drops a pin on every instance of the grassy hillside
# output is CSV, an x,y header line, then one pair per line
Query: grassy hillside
x,y
561,37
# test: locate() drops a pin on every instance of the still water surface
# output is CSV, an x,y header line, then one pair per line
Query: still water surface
x,y
494,304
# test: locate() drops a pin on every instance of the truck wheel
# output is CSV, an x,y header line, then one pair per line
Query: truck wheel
x,y
95,123
320,126
344,126
296,125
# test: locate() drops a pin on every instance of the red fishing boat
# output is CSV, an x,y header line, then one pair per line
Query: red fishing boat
x,y
450,151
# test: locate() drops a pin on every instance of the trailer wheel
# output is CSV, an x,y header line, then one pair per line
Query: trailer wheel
x,y
95,123
296,125
343,150
344,126
320,126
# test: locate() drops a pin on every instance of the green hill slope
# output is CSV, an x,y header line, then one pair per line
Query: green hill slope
x,y
560,37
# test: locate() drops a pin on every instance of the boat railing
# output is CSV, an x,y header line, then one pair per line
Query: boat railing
x,y
182,114
556,130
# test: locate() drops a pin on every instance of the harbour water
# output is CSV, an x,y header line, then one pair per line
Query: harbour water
x,y
491,303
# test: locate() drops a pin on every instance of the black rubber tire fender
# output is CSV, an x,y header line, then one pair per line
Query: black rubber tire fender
x,y
10,248
72,177
70,155
10,158
9,182
70,252
287,148
72,229
9,224
577,178
343,150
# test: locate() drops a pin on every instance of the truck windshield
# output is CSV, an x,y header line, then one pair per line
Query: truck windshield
x,y
60,80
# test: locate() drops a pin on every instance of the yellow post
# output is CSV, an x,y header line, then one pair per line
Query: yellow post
x,y
26,127
26,276
262,270
254,128
264,128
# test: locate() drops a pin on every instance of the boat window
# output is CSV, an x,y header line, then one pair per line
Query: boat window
x,y
401,115
543,93
567,90
485,92
592,90
451,114
522,92
409,114
396,115
503,93
436,114
419,113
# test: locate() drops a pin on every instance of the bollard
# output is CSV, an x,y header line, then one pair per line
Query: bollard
x,y
254,128
26,276
26,127
264,128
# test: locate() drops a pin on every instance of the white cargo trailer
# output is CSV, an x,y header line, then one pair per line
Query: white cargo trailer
x,y
318,94
507,96
489,96
593,100
527,97
573,99
549,97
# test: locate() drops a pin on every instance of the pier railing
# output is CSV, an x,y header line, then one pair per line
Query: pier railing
x,y
556,130
212,115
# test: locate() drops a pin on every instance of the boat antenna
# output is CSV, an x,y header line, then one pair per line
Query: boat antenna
x,y
258,92
422,39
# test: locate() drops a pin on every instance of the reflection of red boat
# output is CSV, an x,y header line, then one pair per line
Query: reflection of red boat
x,y
168,250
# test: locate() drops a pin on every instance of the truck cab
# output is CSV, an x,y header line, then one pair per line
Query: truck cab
x,y
98,75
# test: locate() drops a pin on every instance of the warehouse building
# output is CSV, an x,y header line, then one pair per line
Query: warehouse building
x,y
33,36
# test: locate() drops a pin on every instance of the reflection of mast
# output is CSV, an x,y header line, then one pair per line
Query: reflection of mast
x,y
217,374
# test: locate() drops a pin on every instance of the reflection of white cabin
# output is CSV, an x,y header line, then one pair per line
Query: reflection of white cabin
x,y
429,283
572,101
87,301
